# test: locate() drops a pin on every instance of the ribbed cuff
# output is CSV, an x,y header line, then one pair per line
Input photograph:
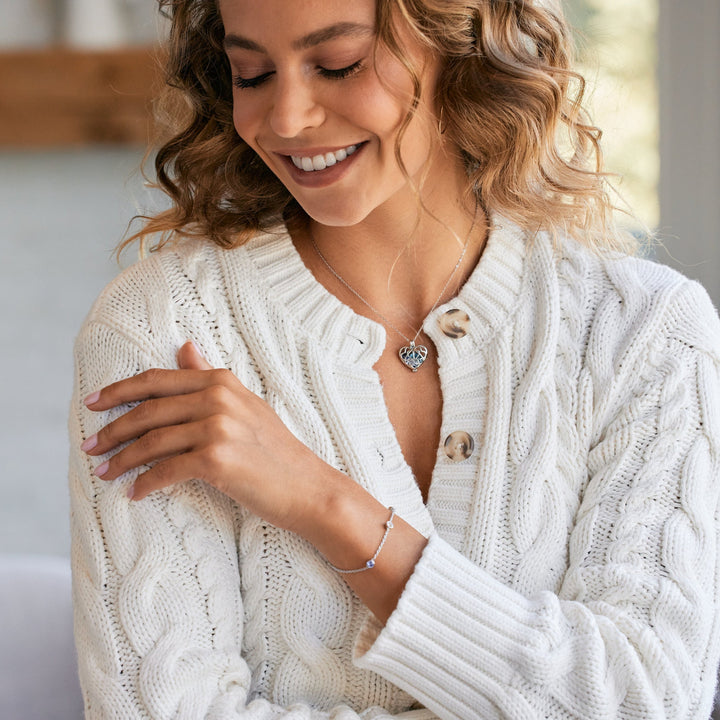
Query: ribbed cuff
x,y
457,640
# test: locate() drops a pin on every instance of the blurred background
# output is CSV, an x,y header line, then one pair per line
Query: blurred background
x,y
76,81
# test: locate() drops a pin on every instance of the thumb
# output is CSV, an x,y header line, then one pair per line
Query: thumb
x,y
189,358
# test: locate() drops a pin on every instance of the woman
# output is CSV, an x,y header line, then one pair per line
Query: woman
x,y
392,426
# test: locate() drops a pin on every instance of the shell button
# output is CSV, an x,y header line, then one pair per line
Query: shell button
x,y
454,323
459,445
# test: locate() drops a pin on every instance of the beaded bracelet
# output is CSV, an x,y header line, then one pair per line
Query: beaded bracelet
x,y
370,564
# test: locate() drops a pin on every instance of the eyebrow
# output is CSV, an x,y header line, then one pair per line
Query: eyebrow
x,y
317,37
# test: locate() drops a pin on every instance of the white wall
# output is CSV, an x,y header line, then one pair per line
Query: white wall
x,y
689,74
61,214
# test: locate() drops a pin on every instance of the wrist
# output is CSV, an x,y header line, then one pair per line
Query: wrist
x,y
361,529
347,524
370,563
341,519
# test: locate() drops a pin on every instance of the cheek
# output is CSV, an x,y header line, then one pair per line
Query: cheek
x,y
376,108
386,116
245,119
419,136
390,99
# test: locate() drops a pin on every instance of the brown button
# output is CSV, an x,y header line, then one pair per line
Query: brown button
x,y
459,446
454,323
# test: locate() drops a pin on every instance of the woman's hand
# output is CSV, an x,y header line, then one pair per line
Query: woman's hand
x,y
200,422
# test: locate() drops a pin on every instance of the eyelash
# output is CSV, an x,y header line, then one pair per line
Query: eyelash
x,y
339,74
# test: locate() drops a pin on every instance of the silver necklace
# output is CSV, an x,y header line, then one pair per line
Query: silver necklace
x,y
411,355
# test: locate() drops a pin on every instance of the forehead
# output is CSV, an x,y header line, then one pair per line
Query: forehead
x,y
274,22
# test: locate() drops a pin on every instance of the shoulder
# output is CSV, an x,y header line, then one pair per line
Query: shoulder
x,y
130,326
626,328
157,279
190,289
182,277
628,299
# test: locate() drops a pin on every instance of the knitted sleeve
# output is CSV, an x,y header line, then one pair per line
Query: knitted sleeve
x,y
633,631
158,609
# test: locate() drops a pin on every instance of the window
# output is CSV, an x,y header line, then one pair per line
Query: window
x,y
617,41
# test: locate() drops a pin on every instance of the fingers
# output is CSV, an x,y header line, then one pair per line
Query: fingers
x,y
145,417
173,412
158,383
185,423
155,445
139,424
161,383
180,452
168,472
190,358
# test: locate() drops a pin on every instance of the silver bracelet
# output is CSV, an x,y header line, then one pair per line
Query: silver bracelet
x,y
370,564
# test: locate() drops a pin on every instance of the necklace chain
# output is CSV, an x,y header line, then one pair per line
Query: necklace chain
x,y
374,309
409,356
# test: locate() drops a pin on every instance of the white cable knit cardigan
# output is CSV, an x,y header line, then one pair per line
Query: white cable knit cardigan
x,y
572,567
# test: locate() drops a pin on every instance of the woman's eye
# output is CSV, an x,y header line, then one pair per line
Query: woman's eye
x,y
341,73
244,83
253,82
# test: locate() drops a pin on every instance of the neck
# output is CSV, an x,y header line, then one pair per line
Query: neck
x,y
399,273
400,257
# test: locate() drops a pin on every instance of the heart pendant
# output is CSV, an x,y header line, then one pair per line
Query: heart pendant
x,y
413,356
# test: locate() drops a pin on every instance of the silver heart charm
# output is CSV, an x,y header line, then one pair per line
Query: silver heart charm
x,y
413,356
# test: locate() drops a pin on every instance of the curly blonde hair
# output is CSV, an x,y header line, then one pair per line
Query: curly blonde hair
x,y
511,103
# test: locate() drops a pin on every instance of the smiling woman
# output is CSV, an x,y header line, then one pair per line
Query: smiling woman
x,y
391,423
331,90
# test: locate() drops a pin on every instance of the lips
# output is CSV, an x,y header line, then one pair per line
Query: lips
x,y
321,161
337,163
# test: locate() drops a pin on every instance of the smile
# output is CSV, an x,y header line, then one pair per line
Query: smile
x,y
320,162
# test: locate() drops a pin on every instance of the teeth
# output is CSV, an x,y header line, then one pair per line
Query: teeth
x,y
320,162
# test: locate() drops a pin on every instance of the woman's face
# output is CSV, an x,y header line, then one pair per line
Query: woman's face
x,y
316,107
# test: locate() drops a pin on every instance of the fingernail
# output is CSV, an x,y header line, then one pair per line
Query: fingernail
x,y
195,345
92,398
100,470
130,492
90,443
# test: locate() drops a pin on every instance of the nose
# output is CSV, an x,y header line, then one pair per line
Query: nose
x,y
294,107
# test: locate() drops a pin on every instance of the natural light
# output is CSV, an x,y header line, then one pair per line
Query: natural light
x,y
618,51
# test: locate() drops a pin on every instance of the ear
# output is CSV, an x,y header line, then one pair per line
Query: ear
x,y
189,358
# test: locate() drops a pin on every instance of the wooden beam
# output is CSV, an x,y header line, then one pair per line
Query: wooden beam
x,y
60,97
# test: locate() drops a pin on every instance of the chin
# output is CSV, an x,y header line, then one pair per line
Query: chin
x,y
335,216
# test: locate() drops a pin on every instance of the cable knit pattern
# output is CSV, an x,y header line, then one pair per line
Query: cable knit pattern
x,y
572,563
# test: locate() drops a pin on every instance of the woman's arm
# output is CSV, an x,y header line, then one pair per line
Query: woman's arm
x,y
158,609
634,629
202,423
